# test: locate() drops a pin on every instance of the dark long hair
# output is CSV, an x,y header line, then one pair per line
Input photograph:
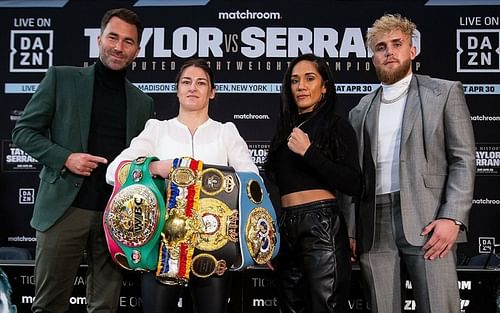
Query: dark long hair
x,y
323,119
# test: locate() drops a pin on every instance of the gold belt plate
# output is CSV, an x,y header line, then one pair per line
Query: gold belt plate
x,y
219,225
260,235
134,215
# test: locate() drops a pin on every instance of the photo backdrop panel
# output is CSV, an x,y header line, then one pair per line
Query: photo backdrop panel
x,y
249,45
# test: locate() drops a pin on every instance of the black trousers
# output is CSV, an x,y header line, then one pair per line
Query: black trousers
x,y
313,267
208,295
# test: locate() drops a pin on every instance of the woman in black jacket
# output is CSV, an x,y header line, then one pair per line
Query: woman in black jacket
x,y
313,156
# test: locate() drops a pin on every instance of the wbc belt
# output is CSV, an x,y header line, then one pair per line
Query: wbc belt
x,y
134,216
216,220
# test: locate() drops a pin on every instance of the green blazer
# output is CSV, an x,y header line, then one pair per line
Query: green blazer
x,y
56,123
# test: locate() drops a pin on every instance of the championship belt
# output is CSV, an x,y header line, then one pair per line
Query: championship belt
x,y
201,229
259,238
217,246
182,222
121,174
216,220
134,216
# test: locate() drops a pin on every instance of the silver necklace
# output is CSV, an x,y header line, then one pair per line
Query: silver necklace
x,y
307,119
303,122
404,93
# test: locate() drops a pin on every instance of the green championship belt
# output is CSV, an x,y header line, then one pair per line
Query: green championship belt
x,y
134,216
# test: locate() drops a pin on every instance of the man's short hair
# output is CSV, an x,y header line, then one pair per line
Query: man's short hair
x,y
124,14
388,23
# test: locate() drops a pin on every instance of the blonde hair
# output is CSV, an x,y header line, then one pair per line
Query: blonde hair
x,y
388,23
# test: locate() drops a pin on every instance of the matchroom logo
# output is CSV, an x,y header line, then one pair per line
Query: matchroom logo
x,y
31,50
478,50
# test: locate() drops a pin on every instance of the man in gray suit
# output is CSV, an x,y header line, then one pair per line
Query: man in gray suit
x,y
77,120
417,154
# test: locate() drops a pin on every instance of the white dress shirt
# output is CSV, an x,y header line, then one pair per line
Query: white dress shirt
x,y
213,143
389,135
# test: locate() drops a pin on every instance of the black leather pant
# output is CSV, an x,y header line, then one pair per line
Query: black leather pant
x,y
208,295
313,267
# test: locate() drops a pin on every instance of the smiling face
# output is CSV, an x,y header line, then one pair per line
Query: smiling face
x,y
194,89
118,44
307,86
392,56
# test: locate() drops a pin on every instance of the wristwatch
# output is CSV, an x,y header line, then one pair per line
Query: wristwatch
x,y
460,224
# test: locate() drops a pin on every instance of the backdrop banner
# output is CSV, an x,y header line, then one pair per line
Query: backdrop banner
x,y
249,45
254,291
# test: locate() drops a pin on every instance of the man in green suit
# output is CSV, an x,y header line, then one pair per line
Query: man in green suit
x,y
77,121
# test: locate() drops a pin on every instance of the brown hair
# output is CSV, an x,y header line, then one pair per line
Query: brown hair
x,y
200,63
124,14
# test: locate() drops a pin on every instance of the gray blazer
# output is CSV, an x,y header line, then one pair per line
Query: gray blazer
x,y
437,158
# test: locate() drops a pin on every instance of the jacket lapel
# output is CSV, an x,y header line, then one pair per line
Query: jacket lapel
x,y
430,98
84,89
131,109
364,128
412,110
371,123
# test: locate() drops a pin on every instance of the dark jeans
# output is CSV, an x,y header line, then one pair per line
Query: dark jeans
x,y
313,268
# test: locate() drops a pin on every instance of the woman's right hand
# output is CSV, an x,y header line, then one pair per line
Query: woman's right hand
x,y
298,141
160,168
